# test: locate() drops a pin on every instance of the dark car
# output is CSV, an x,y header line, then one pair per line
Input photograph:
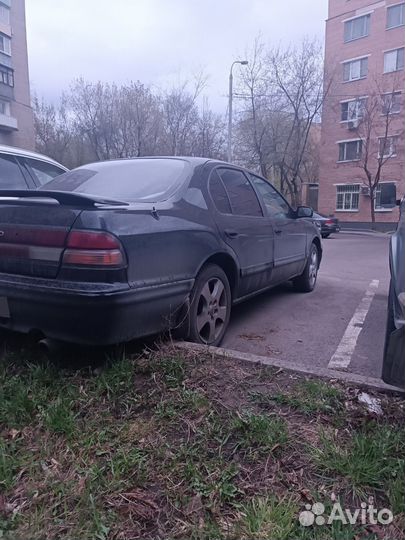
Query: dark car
x,y
328,225
394,350
21,169
112,251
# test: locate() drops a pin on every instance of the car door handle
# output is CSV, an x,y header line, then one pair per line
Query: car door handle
x,y
278,231
231,233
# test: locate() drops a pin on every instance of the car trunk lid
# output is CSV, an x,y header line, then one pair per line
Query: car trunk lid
x,y
33,236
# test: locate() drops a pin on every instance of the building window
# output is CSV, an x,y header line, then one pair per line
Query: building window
x,y
350,150
4,14
387,146
353,109
355,69
4,107
6,76
5,44
347,197
357,28
385,192
394,60
395,16
391,103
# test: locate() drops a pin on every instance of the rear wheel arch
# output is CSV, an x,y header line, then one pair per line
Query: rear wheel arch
x,y
228,265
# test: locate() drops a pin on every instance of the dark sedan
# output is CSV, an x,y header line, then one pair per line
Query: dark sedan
x,y
394,350
116,250
328,225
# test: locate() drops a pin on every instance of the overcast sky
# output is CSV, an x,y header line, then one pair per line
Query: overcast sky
x,y
159,42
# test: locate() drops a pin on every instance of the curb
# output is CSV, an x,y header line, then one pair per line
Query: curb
x,y
364,232
322,373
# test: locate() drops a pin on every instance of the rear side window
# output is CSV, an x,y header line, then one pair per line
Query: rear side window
x,y
11,176
42,172
219,195
241,194
136,180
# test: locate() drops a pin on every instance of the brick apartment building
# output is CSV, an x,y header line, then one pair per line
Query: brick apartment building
x,y
16,116
364,60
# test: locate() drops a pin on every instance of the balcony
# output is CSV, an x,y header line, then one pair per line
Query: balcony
x,y
8,123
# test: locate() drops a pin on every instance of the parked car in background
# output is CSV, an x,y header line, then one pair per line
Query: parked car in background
x,y
394,350
116,250
327,225
21,169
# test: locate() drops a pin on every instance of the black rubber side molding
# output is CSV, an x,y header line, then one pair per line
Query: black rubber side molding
x,y
64,198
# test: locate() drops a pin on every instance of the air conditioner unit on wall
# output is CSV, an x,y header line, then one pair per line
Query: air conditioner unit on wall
x,y
353,124
365,190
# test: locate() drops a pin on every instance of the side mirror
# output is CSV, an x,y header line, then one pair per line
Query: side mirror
x,y
388,195
304,212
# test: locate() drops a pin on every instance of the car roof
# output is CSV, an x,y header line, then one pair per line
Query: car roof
x,y
27,153
192,160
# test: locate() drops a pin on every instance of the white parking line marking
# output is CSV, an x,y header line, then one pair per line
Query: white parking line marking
x,y
343,355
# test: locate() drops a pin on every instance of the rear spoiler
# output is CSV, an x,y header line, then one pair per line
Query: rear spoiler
x,y
64,198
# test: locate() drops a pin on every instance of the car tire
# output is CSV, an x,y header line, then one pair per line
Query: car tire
x,y
307,280
210,306
390,327
325,235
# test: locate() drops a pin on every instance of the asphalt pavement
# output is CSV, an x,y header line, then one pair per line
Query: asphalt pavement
x,y
340,325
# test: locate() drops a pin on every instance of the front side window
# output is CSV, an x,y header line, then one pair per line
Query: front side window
x,y
275,204
133,180
347,197
5,44
350,150
394,60
391,103
353,110
355,69
395,16
357,28
385,196
241,195
11,176
43,172
387,147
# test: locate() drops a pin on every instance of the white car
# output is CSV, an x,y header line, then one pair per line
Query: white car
x,y
21,169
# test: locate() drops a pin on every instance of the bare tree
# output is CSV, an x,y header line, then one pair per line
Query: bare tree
x,y
377,139
299,78
282,94
53,131
180,116
99,121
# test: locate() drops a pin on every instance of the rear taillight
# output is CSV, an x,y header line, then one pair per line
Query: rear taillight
x,y
329,222
93,248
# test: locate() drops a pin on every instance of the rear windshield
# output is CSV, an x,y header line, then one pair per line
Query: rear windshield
x,y
149,180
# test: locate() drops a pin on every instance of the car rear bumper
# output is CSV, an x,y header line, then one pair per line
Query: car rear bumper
x,y
89,314
330,229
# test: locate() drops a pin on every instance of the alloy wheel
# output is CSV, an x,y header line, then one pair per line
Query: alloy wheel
x,y
212,310
313,266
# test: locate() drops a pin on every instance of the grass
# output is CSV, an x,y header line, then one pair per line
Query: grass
x,y
169,447
260,431
308,396
372,458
